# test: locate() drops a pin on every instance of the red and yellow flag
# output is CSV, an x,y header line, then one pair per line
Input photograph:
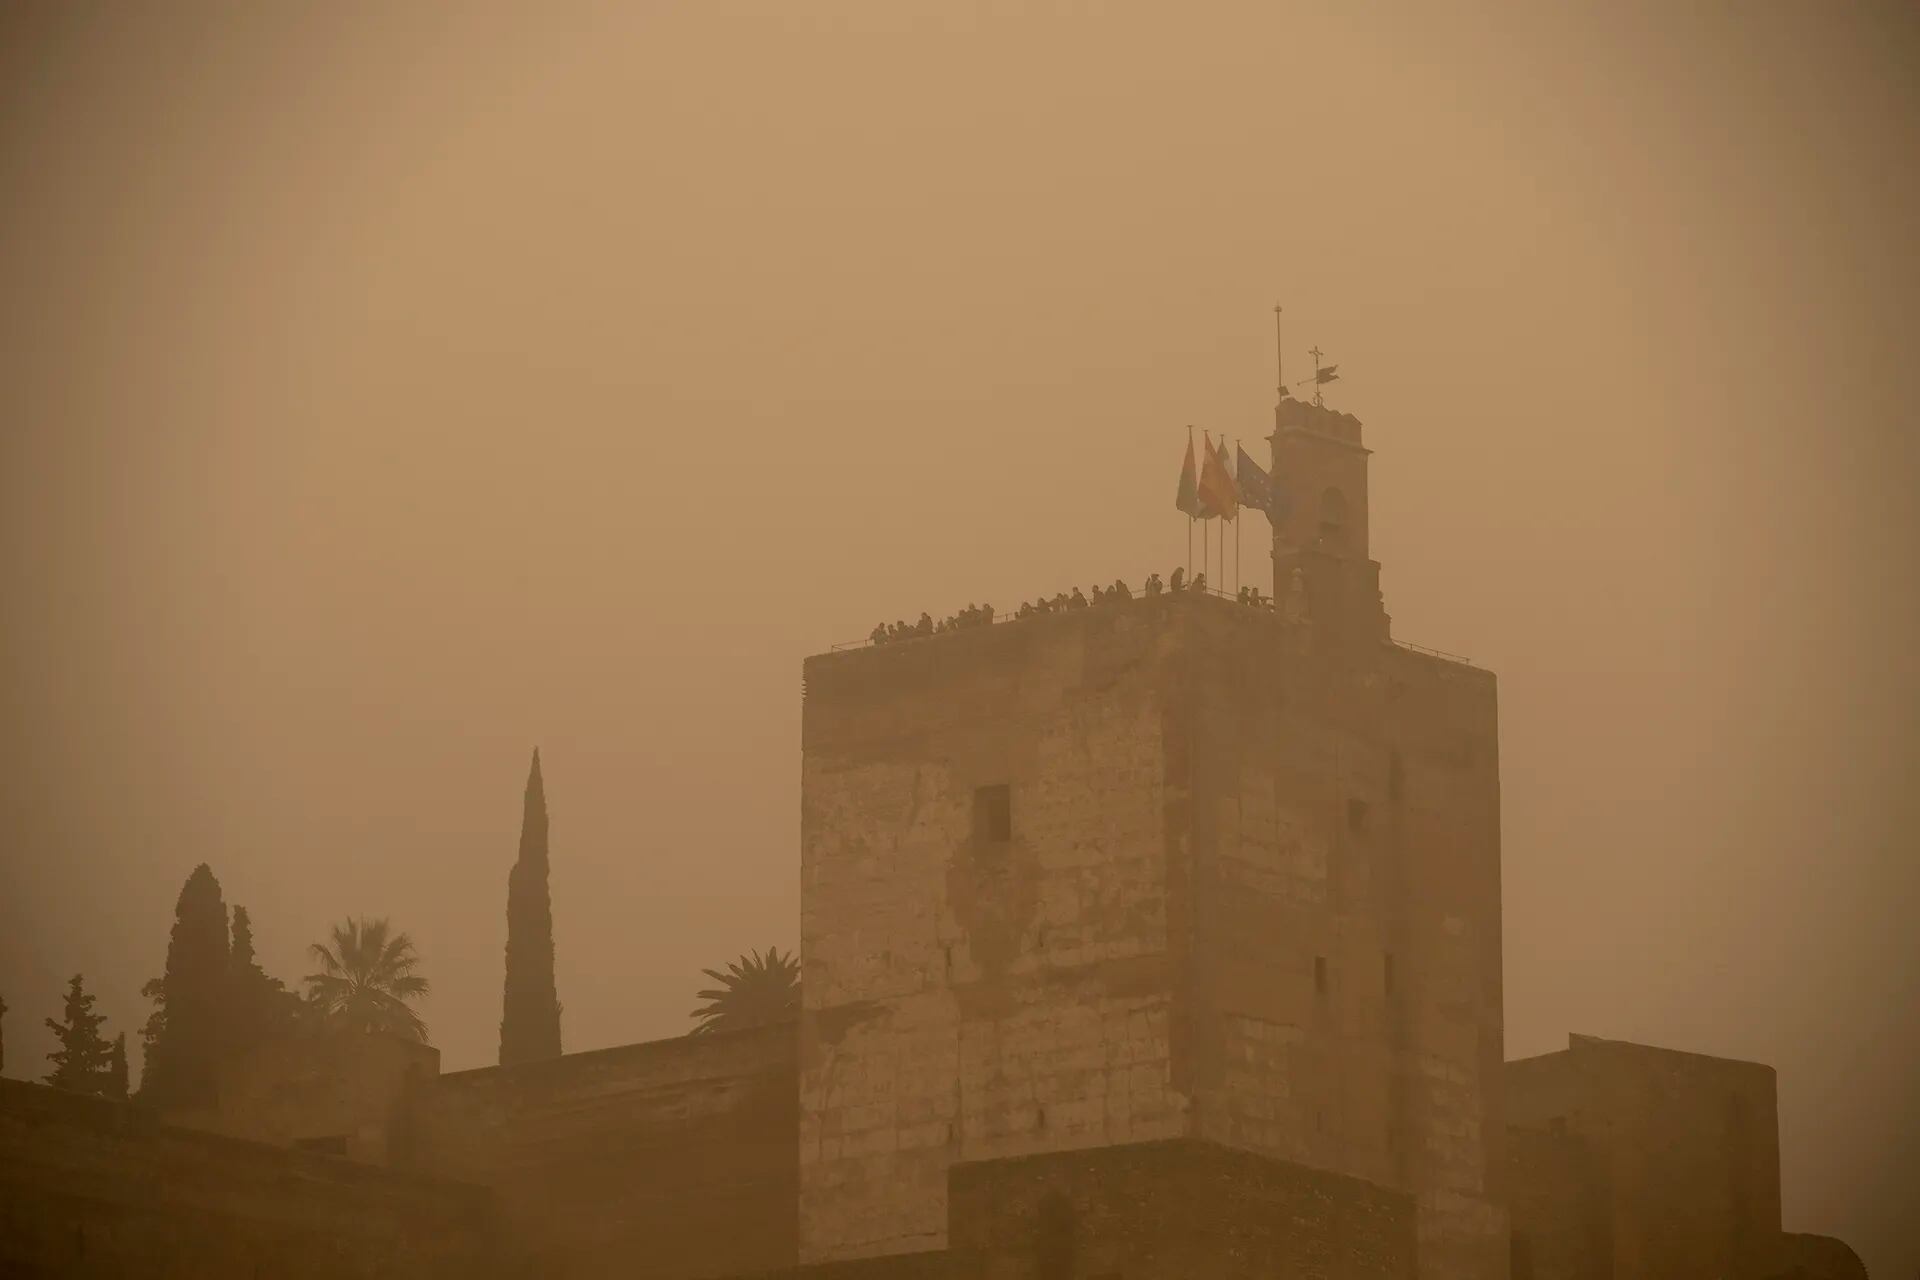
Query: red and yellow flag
x,y
1188,498
1218,493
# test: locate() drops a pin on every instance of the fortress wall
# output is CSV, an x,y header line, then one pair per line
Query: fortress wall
x,y
1178,1209
1688,1146
1559,1202
669,1158
96,1188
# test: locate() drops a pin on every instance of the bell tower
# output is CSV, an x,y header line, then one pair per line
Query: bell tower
x,y
1322,573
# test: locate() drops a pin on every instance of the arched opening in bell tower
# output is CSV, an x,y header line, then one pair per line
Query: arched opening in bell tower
x,y
1333,519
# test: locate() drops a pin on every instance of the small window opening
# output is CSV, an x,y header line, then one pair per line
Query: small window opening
x,y
1320,975
993,814
1557,1125
1388,973
1356,816
1333,517
1396,777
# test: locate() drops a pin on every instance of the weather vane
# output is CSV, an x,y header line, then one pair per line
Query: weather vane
x,y
1321,377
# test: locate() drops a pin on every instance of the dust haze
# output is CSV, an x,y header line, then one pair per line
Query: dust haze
x,y
392,390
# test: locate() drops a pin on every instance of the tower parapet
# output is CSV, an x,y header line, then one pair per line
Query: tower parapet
x,y
1320,535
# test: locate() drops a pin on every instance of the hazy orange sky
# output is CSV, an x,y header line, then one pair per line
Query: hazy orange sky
x,y
389,389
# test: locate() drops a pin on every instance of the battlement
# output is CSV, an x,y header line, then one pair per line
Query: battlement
x,y
1265,609
1304,415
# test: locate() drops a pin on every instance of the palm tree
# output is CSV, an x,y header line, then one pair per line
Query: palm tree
x,y
754,992
366,979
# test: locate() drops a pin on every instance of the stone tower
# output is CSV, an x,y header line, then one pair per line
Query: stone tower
x,y
1320,518
1172,868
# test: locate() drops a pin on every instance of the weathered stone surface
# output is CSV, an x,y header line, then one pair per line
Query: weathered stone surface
x,y
1168,1210
96,1188
342,1094
671,1158
1222,829
1177,1209
1560,1202
1680,1156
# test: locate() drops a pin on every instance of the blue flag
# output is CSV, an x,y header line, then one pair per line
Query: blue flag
x,y
1256,488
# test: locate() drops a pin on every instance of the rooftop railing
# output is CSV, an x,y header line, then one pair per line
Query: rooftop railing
x,y
1264,604
1105,602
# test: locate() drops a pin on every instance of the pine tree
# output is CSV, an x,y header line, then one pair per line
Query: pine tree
x,y
530,1016
117,1069
188,1033
259,1007
83,1062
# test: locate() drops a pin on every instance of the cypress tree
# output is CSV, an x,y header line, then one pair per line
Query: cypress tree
x,y
188,1033
117,1069
83,1062
530,1016
259,1007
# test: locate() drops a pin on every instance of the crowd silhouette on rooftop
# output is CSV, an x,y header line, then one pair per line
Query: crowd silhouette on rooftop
x,y
1062,602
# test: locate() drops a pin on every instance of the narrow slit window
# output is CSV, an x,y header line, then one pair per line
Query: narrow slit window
x,y
993,814
1356,816
1387,973
1320,975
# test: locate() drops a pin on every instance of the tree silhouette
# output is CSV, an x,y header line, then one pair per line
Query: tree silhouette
x,y
530,1012
3,1035
366,980
755,991
259,1007
187,1035
83,1062
117,1069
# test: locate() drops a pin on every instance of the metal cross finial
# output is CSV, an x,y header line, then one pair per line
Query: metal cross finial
x,y
1318,398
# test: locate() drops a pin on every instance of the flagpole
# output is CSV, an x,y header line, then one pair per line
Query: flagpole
x,y
1279,359
1236,520
1190,514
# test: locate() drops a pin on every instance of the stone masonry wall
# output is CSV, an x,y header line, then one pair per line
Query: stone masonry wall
x,y
671,1158
972,999
1168,1210
349,1094
1688,1144
1251,895
1347,993
1562,1228
96,1188
1176,1210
